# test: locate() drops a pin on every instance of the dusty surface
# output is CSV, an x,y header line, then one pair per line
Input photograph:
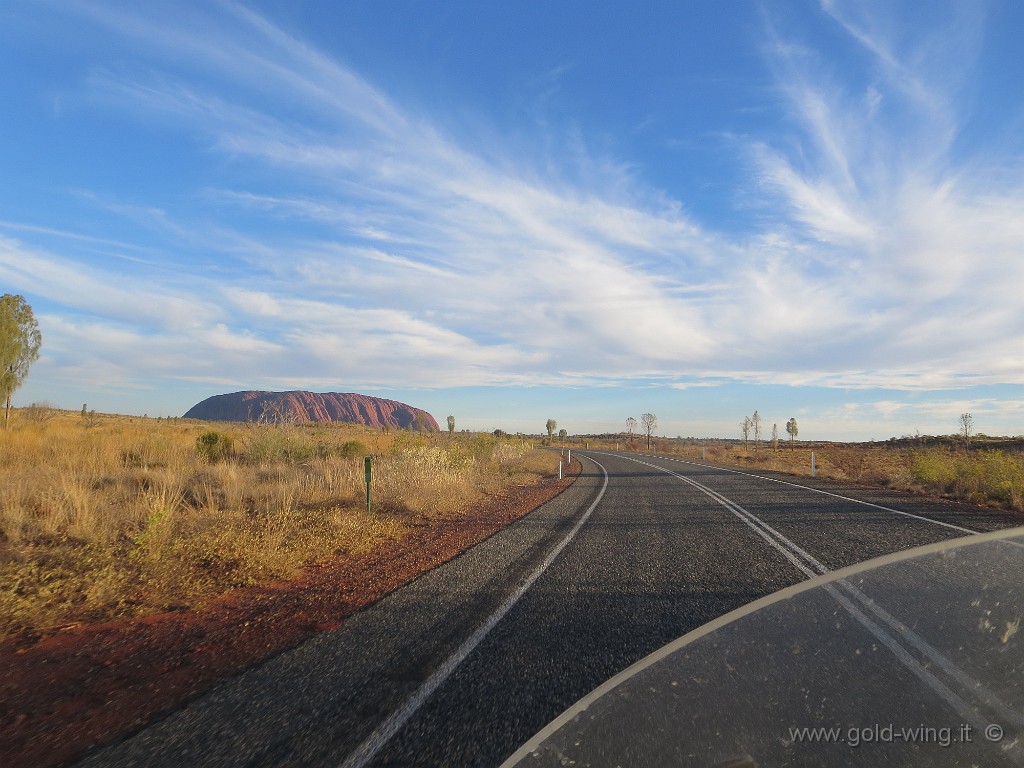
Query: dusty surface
x,y
91,684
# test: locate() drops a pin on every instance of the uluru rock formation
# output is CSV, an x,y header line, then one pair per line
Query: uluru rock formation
x,y
303,407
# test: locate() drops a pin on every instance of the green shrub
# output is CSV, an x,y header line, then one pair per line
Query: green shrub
x,y
481,445
934,470
994,475
979,477
214,446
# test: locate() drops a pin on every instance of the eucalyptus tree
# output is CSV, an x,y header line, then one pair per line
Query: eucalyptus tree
x,y
20,341
793,431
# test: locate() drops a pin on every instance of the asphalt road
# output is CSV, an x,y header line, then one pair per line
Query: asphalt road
x,y
469,661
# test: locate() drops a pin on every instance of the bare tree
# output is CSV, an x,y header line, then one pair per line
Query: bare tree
x,y
755,422
745,427
775,437
451,425
630,426
649,421
551,426
966,428
40,412
20,341
793,431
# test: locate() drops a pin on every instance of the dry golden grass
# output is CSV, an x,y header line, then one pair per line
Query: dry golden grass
x,y
115,516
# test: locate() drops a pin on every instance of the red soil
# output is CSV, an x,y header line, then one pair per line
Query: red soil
x,y
91,684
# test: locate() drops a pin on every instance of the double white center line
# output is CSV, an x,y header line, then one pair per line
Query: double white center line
x,y
969,688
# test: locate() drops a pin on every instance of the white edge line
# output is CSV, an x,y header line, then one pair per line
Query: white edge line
x,y
782,544
766,532
750,517
817,490
377,740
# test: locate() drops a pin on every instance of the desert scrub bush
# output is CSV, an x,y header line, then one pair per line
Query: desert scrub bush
x,y
214,446
991,476
405,441
352,449
39,413
54,585
933,470
482,446
529,466
509,450
425,479
162,504
272,443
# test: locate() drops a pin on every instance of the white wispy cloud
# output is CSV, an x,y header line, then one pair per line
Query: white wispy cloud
x,y
385,247
916,244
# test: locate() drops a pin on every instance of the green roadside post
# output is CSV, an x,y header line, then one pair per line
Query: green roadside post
x,y
369,475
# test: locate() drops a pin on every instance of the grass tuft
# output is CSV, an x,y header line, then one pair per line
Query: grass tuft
x,y
111,516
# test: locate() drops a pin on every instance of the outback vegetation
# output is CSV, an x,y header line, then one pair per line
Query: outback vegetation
x,y
650,423
20,341
109,516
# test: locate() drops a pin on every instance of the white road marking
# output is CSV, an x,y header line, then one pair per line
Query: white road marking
x,y
824,493
794,553
376,741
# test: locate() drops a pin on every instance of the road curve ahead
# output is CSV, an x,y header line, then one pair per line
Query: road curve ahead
x,y
466,663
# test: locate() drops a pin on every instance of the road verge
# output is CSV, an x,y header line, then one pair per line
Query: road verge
x,y
94,684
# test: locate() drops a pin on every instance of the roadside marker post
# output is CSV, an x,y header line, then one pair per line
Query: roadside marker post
x,y
570,458
368,462
559,469
812,464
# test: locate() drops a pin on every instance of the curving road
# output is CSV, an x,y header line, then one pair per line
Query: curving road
x,y
466,663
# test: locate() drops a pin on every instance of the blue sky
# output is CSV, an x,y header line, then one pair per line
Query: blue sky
x,y
515,211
